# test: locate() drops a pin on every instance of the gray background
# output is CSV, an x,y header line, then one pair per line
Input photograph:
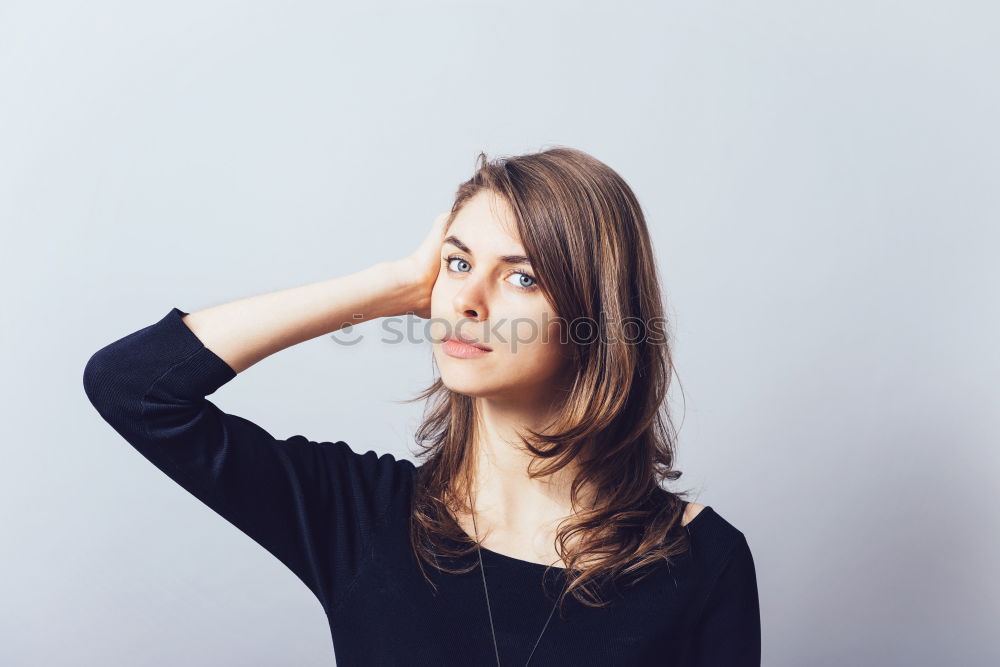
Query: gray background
x,y
821,183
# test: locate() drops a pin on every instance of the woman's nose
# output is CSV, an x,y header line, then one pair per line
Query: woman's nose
x,y
470,301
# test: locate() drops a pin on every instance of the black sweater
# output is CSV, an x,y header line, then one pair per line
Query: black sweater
x,y
338,520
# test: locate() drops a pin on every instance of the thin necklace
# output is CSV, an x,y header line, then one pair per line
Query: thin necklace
x,y
489,611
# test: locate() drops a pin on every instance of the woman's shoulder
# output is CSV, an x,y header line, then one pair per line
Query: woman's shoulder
x,y
691,510
725,574
717,539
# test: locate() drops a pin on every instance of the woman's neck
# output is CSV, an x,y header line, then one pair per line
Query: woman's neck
x,y
505,496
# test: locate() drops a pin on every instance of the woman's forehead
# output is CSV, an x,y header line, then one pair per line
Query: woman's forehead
x,y
480,231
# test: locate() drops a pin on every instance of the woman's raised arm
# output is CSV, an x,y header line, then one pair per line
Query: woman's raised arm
x,y
248,330
314,505
245,331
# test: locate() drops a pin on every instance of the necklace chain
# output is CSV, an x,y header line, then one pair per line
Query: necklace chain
x,y
489,610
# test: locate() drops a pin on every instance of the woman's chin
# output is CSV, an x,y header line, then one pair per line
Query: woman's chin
x,y
465,383
467,377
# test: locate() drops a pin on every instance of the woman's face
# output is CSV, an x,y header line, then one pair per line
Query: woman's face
x,y
496,302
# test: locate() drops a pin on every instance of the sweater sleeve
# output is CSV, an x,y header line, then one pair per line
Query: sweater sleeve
x,y
311,504
729,632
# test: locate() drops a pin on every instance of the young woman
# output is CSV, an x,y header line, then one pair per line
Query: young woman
x,y
545,446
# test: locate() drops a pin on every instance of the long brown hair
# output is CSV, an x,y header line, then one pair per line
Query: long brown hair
x,y
585,235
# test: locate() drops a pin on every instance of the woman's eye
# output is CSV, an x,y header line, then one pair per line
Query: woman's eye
x,y
452,260
521,277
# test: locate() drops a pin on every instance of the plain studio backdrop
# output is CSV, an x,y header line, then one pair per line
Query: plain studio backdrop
x,y
821,184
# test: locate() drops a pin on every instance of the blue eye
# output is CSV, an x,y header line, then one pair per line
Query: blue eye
x,y
450,259
524,275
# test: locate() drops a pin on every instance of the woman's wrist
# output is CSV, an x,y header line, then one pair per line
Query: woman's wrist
x,y
404,291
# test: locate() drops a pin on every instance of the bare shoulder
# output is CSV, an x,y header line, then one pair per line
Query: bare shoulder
x,y
690,512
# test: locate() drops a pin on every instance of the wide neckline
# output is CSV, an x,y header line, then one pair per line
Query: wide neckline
x,y
499,557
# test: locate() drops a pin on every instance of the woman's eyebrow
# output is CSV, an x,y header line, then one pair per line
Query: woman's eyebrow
x,y
507,259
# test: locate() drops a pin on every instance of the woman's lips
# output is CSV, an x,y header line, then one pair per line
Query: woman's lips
x,y
460,350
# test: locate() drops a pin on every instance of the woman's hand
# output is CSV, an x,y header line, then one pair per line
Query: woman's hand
x,y
419,270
